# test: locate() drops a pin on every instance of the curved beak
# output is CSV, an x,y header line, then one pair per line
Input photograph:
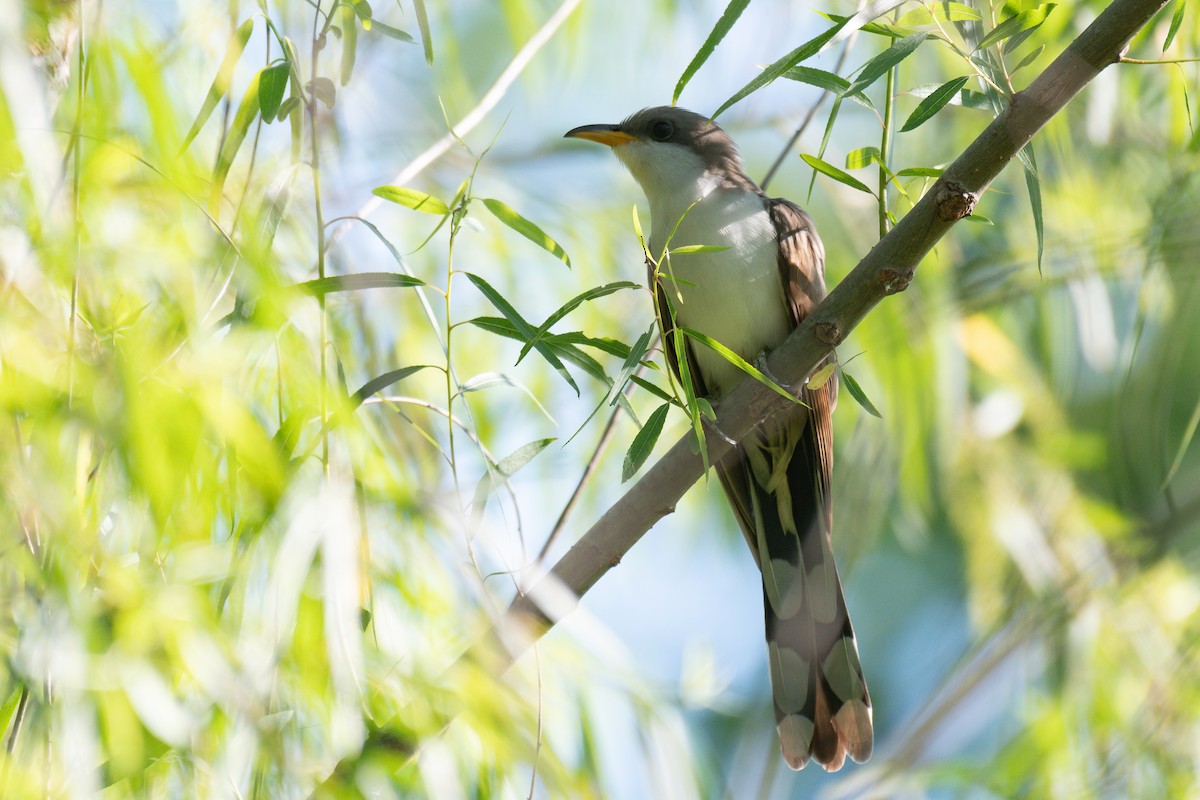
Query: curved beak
x,y
611,135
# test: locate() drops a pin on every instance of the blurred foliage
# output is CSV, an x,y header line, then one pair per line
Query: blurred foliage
x,y
261,472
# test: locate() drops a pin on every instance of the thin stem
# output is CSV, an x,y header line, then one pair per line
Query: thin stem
x,y
77,179
885,146
316,176
1159,60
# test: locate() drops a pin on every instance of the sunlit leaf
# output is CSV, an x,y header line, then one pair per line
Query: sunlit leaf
x,y
246,114
349,40
934,103
572,304
643,443
526,228
357,282
1176,21
880,64
1026,20
821,376
838,175
945,11
685,249
739,362
920,172
221,83
862,157
411,198
723,26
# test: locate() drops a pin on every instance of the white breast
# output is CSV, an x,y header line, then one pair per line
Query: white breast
x,y
735,296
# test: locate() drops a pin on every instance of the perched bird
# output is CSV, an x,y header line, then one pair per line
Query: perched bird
x,y
749,296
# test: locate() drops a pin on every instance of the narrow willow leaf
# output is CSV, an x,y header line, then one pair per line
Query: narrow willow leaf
x,y
502,470
423,24
1029,59
572,304
363,9
394,33
827,81
684,250
357,282
1026,20
287,107
643,444
488,380
1184,443
723,26
349,41
859,395
804,51
1033,184
877,28
739,362
411,198
524,330
635,356
271,85
826,168
945,11
862,157
221,83
378,384
1176,21
880,64
979,218
246,114
920,172
526,228
565,352
821,376
934,103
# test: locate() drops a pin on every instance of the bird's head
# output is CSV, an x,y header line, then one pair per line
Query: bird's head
x,y
668,149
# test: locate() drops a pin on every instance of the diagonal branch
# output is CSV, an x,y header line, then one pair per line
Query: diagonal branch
x,y
887,269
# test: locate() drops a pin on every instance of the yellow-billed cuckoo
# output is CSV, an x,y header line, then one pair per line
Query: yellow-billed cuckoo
x,y
749,297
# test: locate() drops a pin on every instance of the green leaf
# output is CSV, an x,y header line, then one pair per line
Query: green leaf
x,y
1028,59
394,33
358,281
526,228
572,304
826,168
739,362
246,114
363,9
1033,184
827,81
411,198
634,357
287,107
946,11
349,41
934,103
222,81
1184,444
1024,21
381,382
859,395
723,26
920,172
975,216
685,249
804,51
643,444
862,157
821,376
1176,21
525,331
271,85
423,24
880,64
502,470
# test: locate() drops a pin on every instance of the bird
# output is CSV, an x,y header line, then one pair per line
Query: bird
x,y
758,273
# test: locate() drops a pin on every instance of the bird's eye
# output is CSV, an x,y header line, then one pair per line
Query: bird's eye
x,y
662,130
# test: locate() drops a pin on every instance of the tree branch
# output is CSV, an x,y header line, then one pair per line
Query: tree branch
x,y
887,269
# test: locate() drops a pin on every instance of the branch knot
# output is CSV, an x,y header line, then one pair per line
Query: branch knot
x,y
955,202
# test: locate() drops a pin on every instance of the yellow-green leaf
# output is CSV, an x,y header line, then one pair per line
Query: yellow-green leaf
x,y
411,198
526,228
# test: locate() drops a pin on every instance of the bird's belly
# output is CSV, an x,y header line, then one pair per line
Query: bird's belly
x,y
734,296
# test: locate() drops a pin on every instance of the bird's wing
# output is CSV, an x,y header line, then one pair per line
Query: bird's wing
x,y
779,488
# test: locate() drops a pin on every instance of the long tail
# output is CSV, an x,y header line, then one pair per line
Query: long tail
x,y
780,492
